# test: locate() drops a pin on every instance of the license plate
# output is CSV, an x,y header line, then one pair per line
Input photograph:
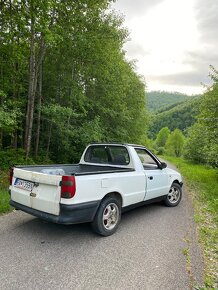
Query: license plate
x,y
26,185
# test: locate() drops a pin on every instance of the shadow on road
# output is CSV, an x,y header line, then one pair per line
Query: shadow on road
x,y
51,231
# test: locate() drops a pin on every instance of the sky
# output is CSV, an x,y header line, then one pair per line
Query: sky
x,y
173,42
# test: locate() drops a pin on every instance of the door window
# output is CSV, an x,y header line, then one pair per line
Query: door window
x,y
147,161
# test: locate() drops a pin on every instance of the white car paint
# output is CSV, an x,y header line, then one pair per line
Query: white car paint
x,y
134,186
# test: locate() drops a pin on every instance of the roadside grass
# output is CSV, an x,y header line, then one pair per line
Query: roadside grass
x,y
202,182
4,201
4,195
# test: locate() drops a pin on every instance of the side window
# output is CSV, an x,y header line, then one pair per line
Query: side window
x,y
147,161
119,155
96,154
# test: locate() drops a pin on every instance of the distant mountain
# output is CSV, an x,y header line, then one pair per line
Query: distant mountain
x,y
158,100
181,116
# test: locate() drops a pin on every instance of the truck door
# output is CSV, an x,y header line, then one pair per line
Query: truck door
x,y
156,178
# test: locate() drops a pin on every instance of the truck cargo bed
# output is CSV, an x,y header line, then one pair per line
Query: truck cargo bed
x,y
74,169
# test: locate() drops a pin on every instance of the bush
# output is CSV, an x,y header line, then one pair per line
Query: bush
x,y
11,157
160,150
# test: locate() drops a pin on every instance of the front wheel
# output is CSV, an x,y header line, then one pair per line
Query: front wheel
x,y
174,196
107,217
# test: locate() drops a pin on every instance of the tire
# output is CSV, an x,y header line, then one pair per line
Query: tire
x,y
174,196
108,217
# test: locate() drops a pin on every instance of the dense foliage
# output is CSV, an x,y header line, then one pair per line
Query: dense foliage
x,y
162,137
175,143
169,143
65,80
202,145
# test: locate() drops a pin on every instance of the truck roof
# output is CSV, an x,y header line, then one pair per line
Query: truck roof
x,y
116,143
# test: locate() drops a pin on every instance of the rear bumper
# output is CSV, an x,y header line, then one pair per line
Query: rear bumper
x,y
69,214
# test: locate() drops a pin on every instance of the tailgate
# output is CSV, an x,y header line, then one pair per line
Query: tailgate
x,y
36,190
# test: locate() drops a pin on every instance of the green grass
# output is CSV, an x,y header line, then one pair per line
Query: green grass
x,y
202,182
4,195
4,201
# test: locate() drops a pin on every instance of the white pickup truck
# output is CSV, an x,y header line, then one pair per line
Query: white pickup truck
x,y
109,179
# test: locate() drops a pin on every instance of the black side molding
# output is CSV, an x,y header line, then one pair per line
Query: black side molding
x,y
69,214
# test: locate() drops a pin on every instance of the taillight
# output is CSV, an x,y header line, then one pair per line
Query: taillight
x,y
68,186
11,174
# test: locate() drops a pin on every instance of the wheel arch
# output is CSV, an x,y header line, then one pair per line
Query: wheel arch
x,y
114,194
98,223
178,182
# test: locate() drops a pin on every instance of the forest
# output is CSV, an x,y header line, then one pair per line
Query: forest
x,y
65,81
181,115
157,100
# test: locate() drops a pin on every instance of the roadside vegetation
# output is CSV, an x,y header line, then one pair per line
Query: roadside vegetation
x,y
4,194
202,182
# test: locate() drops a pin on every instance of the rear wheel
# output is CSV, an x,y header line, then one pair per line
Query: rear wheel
x,y
107,217
174,196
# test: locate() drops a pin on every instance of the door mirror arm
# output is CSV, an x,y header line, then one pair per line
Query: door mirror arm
x,y
162,165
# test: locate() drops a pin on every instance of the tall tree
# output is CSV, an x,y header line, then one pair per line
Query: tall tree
x,y
162,137
175,143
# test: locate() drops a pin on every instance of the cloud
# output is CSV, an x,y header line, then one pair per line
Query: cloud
x,y
207,19
135,8
201,57
194,78
206,14
136,50
174,41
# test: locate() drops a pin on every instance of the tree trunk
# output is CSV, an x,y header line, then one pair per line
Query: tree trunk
x,y
31,92
34,65
39,111
1,138
14,140
49,140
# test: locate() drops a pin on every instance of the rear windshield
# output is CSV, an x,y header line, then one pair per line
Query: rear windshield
x,y
107,154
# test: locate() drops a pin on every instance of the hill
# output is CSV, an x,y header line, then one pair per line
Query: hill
x,y
179,116
157,100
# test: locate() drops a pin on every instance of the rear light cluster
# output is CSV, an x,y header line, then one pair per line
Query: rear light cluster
x,y
68,186
11,175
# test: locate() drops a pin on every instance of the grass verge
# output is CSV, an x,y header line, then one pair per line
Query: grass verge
x,y
202,182
4,201
4,195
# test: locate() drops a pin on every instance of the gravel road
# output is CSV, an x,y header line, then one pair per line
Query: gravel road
x,y
150,251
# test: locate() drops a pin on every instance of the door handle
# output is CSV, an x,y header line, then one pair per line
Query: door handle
x,y
150,177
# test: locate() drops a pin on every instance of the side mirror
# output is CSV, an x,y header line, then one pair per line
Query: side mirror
x,y
163,165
